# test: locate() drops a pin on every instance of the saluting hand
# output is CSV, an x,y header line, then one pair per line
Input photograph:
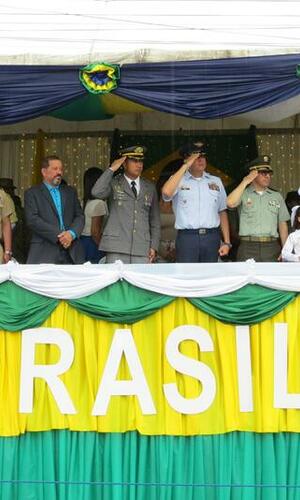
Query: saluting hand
x,y
117,163
190,160
250,177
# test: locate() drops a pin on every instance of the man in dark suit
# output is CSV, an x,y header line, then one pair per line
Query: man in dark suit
x,y
132,229
54,215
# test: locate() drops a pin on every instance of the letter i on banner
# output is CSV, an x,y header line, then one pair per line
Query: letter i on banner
x,y
243,353
282,398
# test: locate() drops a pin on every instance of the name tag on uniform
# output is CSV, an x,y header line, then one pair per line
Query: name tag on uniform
x,y
274,203
185,188
213,186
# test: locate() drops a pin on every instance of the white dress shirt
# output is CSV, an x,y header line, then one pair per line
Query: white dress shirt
x,y
137,183
291,248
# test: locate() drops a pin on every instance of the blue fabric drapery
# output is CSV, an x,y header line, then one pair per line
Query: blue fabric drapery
x,y
30,91
197,89
213,88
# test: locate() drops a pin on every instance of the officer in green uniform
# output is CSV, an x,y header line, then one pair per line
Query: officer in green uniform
x,y
263,214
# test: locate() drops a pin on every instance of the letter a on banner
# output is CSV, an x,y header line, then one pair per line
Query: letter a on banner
x,y
30,371
123,343
192,367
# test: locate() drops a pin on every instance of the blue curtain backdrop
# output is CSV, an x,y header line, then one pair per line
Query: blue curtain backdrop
x,y
198,89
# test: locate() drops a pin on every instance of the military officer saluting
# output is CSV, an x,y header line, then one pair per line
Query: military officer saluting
x,y
263,214
132,230
199,204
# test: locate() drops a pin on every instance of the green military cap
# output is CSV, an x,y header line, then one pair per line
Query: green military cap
x,y
135,152
261,163
193,148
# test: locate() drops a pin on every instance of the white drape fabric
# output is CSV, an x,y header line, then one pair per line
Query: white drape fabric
x,y
62,282
177,280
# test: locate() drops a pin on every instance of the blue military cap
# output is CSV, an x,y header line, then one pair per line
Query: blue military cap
x,y
135,152
193,148
261,163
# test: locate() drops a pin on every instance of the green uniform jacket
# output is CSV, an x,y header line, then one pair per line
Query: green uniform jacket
x,y
260,214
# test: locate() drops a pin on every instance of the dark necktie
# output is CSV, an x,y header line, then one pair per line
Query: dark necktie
x,y
133,187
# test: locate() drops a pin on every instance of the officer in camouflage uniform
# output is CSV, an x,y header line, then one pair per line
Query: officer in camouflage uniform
x,y
131,233
6,209
263,214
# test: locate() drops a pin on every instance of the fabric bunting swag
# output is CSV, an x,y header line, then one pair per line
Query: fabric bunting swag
x,y
239,293
125,304
197,89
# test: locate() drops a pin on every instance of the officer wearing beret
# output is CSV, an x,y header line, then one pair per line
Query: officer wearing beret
x,y
199,204
132,230
263,214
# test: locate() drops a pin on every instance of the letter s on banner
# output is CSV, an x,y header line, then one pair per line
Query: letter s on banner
x,y
30,371
192,367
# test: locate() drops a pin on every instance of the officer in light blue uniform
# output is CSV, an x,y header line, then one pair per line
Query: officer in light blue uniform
x,y
199,204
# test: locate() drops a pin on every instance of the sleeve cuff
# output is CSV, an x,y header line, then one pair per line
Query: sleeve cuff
x,y
73,234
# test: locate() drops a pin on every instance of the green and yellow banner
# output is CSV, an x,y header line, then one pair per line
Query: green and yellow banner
x,y
128,394
186,373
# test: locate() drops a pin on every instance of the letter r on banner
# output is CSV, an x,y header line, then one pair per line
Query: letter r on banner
x,y
30,371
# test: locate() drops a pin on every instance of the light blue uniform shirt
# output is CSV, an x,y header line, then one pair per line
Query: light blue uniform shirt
x,y
198,201
56,197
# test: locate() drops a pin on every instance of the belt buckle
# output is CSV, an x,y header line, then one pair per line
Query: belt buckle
x,y
202,231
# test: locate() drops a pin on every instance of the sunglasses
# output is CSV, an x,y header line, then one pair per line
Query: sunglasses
x,y
265,172
200,153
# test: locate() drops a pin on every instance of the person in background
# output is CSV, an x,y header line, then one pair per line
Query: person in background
x,y
263,214
292,200
199,203
166,250
54,215
7,184
94,211
291,248
132,229
21,233
5,228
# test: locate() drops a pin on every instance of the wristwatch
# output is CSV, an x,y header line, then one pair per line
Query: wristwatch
x,y
8,252
229,245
